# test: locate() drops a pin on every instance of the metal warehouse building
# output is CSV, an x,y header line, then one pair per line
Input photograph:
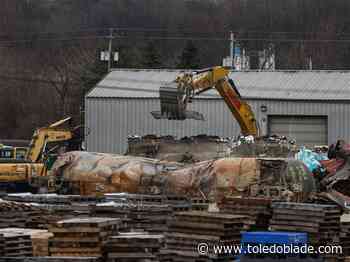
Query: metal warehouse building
x,y
309,106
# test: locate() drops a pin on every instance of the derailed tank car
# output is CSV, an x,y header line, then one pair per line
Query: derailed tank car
x,y
92,173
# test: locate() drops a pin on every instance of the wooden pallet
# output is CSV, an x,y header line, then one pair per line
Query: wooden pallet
x,y
188,229
50,259
81,236
134,246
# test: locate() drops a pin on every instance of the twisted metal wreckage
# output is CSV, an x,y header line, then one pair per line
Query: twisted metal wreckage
x,y
276,178
88,173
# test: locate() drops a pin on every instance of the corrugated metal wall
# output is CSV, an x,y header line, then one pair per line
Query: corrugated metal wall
x,y
109,121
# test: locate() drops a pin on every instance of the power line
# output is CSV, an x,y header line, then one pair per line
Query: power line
x,y
161,30
33,80
96,37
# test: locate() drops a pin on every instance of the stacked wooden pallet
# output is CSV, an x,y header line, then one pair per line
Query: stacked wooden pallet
x,y
22,215
199,204
41,219
345,235
257,210
39,238
188,229
53,198
40,242
14,214
81,237
69,211
2,245
17,244
152,218
134,198
322,228
177,203
113,210
321,222
135,217
50,259
134,247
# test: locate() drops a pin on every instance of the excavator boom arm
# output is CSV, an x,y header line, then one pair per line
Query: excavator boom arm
x,y
43,136
175,97
240,109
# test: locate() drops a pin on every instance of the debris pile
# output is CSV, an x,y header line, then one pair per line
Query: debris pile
x,y
187,229
133,247
268,147
312,160
257,211
81,237
185,150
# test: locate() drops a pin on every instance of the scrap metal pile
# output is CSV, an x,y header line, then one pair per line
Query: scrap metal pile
x,y
330,170
202,147
184,150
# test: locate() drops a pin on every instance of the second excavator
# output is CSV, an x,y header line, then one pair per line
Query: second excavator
x,y
32,171
175,96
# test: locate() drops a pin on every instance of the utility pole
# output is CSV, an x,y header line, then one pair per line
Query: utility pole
x,y
232,47
310,63
110,37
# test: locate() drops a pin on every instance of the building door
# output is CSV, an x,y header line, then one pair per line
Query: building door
x,y
306,130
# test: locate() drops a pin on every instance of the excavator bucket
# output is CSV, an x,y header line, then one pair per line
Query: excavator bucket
x,y
173,105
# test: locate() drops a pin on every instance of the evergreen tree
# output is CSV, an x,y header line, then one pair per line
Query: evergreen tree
x,y
189,58
151,56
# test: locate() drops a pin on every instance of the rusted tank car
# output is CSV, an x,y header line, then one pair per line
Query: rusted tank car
x,y
92,173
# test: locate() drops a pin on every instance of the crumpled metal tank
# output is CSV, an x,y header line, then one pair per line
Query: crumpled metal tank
x,y
90,173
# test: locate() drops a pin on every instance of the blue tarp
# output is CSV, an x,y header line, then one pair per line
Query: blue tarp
x,y
311,159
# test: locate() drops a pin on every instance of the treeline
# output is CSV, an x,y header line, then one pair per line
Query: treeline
x,y
49,49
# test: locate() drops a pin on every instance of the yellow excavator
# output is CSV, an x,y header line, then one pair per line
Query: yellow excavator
x,y
175,96
12,153
30,172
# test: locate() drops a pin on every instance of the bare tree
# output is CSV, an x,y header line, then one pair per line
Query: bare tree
x,y
63,69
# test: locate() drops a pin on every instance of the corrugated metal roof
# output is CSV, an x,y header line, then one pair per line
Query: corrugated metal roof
x,y
294,85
